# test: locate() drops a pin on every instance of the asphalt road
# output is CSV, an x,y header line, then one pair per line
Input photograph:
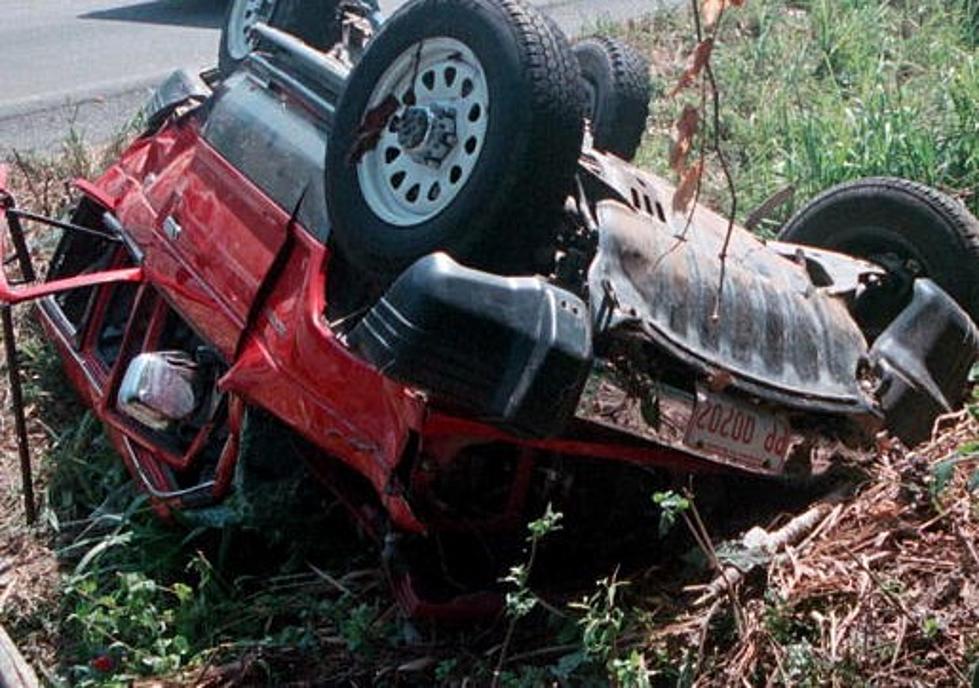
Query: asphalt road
x,y
90,64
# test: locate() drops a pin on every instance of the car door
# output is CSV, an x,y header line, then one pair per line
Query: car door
x,y
224,235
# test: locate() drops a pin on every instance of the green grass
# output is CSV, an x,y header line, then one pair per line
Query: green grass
x,y
813,93
817,92
141,597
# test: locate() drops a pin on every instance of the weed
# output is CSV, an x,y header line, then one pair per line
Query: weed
x,y
133,628
931,628
603,620
820,92
671,505
445,669
631,672
521,600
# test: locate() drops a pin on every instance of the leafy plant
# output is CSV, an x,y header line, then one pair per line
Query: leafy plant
x,y
671,505
521,600
820,92
131,628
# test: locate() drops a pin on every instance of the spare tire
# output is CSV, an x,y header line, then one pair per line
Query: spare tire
x,y
314,21
459,131
900,224
616,92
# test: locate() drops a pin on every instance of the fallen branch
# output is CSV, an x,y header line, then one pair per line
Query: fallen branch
x,y
789,534
768,206
699,531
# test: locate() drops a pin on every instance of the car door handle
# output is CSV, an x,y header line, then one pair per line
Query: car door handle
x,y
172,228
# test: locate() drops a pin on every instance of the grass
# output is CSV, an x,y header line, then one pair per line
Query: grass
x,y
817,92
137,597
814,93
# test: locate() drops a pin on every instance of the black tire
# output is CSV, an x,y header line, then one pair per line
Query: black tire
x,y
508,207
883,216
617,93
314,21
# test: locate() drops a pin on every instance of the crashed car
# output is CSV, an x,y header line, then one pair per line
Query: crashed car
x,y
410,256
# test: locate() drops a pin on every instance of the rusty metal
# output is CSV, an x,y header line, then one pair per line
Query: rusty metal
x,y
776,333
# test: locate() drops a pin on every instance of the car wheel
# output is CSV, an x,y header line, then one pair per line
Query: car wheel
x,y
459,131
314,21
617,93
236,39
901,225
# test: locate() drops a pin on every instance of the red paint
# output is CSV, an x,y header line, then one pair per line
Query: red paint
x,y
15,295
253,284
96,193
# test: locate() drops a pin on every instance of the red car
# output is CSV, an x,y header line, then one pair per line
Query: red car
x,y
411,258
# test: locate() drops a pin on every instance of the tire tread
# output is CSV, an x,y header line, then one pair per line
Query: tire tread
x,y
629,95
958,223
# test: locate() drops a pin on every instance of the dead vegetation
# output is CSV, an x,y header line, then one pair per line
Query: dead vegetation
x,y
881,588
882,591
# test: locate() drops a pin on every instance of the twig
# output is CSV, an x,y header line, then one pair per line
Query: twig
x,y
709,71
896,603
543,652
826,524
511,628
788,534
901,631
703,165
708,79
27,172
702,537
331,580
14,669
704,631
970,548
768,206
703,133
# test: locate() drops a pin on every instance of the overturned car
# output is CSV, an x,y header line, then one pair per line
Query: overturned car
x,y
412,252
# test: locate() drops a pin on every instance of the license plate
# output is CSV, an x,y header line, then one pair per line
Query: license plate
x,y
738,432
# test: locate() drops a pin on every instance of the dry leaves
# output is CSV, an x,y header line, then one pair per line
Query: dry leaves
x,y
686,129
688,124
698,60
884,591
713,9
687,188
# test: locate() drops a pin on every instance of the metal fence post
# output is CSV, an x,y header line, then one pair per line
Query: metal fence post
x,y
17,402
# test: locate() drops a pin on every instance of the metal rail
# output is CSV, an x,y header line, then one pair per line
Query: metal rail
x,y
27,273
20,421
331,72
13,217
